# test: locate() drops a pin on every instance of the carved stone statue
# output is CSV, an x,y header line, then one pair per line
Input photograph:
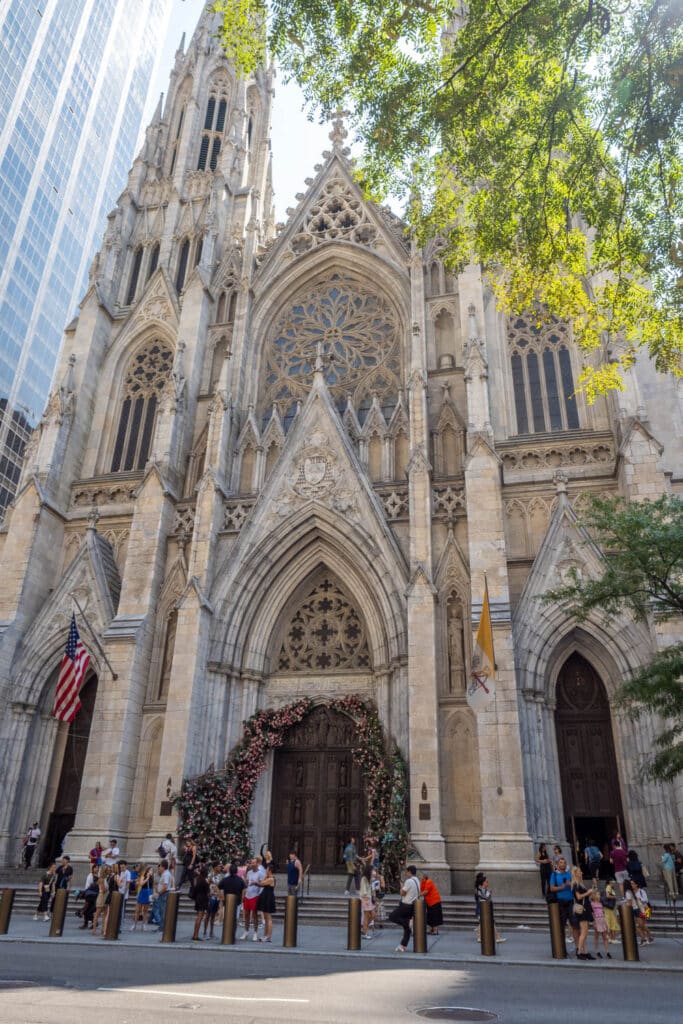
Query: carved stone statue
x,y
456,650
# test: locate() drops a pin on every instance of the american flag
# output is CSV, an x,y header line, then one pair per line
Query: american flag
x,y
74,666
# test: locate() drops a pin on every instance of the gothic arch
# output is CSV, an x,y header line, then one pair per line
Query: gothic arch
x,y
110,392
149,763
460,775
252,590
273,294
320,629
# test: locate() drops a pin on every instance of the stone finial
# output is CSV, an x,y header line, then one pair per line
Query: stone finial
x,y
93,518
472,320
339,133
319,366
560,479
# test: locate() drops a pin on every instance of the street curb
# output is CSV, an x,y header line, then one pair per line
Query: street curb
x,y
358,957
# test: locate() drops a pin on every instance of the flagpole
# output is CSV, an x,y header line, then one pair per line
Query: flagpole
x,y
499,778
94,637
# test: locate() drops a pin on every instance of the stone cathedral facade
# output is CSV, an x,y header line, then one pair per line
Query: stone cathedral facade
x,y
279,461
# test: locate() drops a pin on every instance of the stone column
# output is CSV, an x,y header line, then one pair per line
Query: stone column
x,y
505,848
12,810
422,705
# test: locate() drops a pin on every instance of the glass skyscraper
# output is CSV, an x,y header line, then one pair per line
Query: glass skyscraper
x,y
74,76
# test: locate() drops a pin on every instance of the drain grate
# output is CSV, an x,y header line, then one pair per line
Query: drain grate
x,y
457,1013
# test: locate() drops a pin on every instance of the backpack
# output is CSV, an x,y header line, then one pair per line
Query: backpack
x,y
161,850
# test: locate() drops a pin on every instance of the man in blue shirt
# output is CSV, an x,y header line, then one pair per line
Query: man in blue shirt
x,y
349,858
561,884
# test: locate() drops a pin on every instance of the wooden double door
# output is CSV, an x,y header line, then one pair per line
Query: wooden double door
x,y
588,767
318,801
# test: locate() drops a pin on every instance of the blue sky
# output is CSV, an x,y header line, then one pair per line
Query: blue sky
x,y
297,143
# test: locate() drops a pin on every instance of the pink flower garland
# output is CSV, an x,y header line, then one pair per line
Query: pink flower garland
x,y
214,808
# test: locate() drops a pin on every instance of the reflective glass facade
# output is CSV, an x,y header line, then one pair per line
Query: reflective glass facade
x,y
74,75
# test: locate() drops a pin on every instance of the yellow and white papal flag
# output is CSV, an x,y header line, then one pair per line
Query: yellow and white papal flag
x,y
482,687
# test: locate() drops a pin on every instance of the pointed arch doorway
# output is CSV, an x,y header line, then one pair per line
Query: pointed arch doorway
x,y
318,801
591,793
63,812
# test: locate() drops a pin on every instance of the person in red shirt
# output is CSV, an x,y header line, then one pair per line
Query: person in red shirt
x,y
432,898
619,860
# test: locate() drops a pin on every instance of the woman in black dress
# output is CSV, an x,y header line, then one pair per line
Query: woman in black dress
x,y
266,903
201,901
545,866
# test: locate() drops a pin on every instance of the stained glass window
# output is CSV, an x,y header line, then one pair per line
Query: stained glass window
x,y
542,378
356,332
146,377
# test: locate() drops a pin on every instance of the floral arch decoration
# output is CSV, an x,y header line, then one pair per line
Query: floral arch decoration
x,y
214,808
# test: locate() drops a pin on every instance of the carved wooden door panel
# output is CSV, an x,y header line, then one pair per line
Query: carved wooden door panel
x,y
588,770
317,801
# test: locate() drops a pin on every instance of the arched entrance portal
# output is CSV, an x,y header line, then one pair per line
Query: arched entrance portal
x,y
588,770
317,799
63,814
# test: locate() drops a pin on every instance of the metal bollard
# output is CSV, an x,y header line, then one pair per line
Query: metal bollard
x,y
488,931
291,912
59,913
557,938
629,939
171,918
113,926
419,927
230,920
353,940
6,904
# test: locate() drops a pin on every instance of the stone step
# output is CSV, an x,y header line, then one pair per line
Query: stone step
x,y
333,910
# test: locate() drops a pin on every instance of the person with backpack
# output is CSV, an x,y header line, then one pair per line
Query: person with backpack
x,y
46,887
669,872
592,859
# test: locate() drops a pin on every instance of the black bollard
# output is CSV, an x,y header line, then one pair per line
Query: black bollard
x,y
59,913
291,911
419,927
171,918
6,904
113,926
629,939
557,939
353,940
230,920
488,931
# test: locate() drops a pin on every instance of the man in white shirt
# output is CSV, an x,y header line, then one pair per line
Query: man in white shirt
x,y
123,882
111,855
163,887
255,875
32,839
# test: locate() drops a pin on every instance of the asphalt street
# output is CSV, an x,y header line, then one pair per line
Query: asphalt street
x,y
41,984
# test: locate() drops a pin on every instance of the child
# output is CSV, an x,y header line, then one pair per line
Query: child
x,y
599,924
610,902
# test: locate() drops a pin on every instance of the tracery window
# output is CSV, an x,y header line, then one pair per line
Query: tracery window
x,y
153,260
183,258
542,377
325,634
145,379
212,133
357,334
134,275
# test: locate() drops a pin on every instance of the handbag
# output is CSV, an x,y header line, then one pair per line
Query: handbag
x,y
578,908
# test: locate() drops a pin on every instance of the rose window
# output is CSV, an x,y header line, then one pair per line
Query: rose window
x,y
356,332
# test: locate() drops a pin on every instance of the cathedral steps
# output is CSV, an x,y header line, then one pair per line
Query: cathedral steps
x,y
332,909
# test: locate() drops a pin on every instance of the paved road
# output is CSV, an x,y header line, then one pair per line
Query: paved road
x,y
69,984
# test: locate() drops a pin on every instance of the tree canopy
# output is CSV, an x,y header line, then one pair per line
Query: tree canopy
x,y
539,138
643,572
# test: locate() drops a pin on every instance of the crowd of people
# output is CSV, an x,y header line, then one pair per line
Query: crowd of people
x,y
589,892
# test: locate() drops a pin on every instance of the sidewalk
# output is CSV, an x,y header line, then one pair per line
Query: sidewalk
x,y
522,947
